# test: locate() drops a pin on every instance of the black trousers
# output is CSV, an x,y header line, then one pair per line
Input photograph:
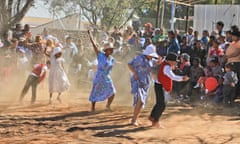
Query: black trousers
x,y
228,94
237,70
31,81
160,105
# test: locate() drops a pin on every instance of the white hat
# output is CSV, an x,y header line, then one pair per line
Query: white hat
x,y
57,50
150,51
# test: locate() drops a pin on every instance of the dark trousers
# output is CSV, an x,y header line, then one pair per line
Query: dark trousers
x,y
31,81
160,105
228,94
237,70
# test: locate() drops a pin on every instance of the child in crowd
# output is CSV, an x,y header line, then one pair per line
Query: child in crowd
x,y
37,75
230,80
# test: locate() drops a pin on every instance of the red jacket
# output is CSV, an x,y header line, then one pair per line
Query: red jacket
x,y
37,71
164,79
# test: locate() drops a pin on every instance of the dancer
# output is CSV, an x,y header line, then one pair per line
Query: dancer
x,y
103,87
140,81
165,77
37,75
58,80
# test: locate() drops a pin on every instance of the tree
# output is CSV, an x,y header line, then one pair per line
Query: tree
x,y
106,12
12,12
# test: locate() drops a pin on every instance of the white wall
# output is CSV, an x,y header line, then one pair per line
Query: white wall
x,y
206,16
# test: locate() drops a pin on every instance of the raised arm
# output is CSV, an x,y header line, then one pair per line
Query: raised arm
x,y
93,43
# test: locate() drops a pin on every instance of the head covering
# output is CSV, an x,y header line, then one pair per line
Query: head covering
x,y
235,33
57,50
107,45
150,51
148,24
214,59
172,57
185,56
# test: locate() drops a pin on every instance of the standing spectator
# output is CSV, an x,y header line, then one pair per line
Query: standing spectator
x,y
37,51
189,35
205,38
69,51
148,33
184,47
173,46
230,80
195,39
46,36
199,52
219,27
17,33
116,34
233,56
103,87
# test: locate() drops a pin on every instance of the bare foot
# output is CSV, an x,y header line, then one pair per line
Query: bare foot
x,y
59,99
134,122
50,101
158,125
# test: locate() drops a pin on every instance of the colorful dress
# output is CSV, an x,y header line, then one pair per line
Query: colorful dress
x,y
58,80
103,87
141,86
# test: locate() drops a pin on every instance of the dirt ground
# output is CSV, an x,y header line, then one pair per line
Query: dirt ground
x,y
72,123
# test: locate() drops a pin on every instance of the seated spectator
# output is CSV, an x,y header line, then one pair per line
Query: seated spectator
x,y
181,88
199,52
196,71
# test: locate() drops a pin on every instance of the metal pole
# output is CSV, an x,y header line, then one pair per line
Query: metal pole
x,y
158,13
163,10
187,19
172,15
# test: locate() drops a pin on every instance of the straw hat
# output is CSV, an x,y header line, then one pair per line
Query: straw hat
x,y
107,45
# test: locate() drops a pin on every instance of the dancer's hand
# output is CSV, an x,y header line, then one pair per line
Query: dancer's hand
x,y
135,76
185,78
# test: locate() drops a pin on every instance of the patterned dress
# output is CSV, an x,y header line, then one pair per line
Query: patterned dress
x,y
103,87
141,86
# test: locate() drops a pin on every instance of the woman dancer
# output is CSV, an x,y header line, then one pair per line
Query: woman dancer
x,y
103,87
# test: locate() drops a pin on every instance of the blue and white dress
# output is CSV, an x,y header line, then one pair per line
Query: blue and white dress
x,y
140,87
103,87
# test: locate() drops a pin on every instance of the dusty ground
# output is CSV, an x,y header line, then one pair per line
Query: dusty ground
x,y
72,123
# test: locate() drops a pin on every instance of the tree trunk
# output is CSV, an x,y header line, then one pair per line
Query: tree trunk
x,y
8,19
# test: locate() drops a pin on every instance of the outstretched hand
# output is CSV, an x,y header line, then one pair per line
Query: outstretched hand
x,y
185,78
